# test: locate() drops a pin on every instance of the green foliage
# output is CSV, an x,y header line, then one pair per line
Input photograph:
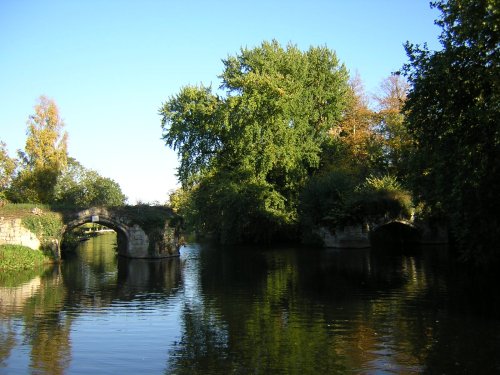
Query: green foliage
x,y
46,174
398,143
44,158
384,183
452,112
340,198
81,187
7,168
382,196
41,220
326,198
17,257
46,226
245,157
20,210
33,186
211,207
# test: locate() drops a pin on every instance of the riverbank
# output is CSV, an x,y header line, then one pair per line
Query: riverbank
x,y
18,257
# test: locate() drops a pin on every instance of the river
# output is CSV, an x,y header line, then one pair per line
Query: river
x,y
249,310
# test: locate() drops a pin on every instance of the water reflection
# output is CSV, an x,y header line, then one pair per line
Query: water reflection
x,y
41,314
240,310
14,298
291,311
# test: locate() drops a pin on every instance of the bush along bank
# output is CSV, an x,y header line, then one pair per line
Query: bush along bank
x,y
18,257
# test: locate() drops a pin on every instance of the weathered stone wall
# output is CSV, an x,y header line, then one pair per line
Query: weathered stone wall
x,y
358,236
350,236
12,232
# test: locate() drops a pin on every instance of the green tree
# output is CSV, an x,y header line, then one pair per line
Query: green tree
x,y
391,125
7,169
453,113
45,155
78,186
245,156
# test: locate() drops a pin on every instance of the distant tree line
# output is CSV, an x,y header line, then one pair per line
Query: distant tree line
x,y
44,173
290,139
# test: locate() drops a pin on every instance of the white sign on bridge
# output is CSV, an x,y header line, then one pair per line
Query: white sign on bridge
x,y
95,218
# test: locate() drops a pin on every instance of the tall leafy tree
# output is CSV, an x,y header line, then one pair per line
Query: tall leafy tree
x,y
453,113
246,155
7,168
390,122
44,157
356,137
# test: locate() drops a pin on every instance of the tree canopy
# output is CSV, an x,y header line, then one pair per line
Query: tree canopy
x,y
44,157
82,187
45,173
7,168
453,115
244,156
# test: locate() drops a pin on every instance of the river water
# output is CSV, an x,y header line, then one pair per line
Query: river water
x,y
249,311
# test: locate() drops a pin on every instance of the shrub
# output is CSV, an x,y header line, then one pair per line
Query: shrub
x,y
17,257
326,197
381,196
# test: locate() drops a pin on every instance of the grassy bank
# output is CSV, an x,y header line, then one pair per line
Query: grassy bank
x,y
17,257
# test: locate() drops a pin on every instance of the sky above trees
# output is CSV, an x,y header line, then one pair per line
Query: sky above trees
x,y
110,65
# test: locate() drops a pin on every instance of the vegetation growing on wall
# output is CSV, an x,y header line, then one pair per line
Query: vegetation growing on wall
x,y
45,225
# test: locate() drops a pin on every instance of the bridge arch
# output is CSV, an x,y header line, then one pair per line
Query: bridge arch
x,y
143,232
395,233
121,230
367,233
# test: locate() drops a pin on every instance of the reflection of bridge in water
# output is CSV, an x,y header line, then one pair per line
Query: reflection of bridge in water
x,y
50,304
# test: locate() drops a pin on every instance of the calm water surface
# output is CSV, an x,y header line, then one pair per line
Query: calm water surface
x,y
249,311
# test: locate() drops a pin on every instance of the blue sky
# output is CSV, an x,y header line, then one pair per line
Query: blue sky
x,y
110,64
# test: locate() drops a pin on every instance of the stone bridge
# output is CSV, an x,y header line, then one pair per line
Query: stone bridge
x,y
373,230
142,231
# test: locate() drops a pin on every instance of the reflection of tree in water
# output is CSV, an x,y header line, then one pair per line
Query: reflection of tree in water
x,y
96,279
44,329
50,343
260,328
204,345
137,276
323,312
7,339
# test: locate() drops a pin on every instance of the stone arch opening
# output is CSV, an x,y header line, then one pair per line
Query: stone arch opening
x,y
395,235
122,233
